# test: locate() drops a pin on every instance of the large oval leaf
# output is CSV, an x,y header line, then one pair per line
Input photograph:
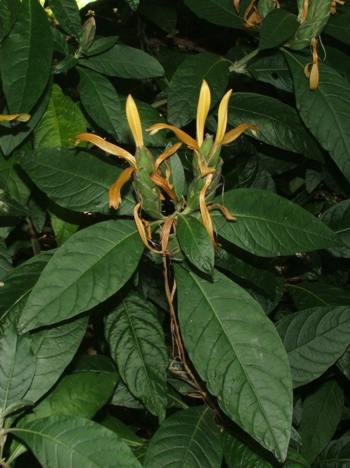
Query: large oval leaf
x,y
188,439
137,343
67,441
26,57
325,111
237,351
269,225
314,339
92,265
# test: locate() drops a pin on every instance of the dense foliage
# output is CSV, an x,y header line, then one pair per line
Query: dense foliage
x,y
174,233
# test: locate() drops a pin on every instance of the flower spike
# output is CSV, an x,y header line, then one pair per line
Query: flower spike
x,y
134,121
203,108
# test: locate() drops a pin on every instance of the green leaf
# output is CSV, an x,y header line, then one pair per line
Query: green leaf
x,y
309,294
322,411
238,353
314,339
54,348
338,219
101,45
7,17
125,432
124,62
238,454
100,100
269,225
9,207
78,394
278,26
67,14
60,124
336,454
219,12
133,4
74,180
195,243
5,261
325,110
25,57
62,230
317,17
123,397
137,344
91,266
338,27
17,365
185,85
278,123
272,69
189,438
68,441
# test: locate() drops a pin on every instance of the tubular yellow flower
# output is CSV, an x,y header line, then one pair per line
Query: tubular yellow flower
x,y
132,114
115,189
203,108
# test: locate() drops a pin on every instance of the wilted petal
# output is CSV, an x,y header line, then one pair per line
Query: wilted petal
x,y
202,111
222,117
235,133
181,135
166,154
164,185
142,230
115,189
134,121
206,218
107,147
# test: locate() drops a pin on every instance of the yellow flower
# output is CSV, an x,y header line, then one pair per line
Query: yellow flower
x,y
14,117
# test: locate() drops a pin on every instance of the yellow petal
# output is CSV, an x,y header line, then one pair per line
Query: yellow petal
x,y
142,230
107,147
181,135
235,133
133,116
236,4
17,117
115,189
166,154
206,218
222,117
164,185
202,111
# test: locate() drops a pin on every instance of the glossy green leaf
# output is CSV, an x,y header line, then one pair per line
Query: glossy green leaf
x,y
338,219
238,353
7,17
336,454
309,294
125,432
137,344
189,438
317,17
272,69
54,348
26,57
67,14
62,229
123,397
278,123
185,85
61,122
195,243
70,441
91,266
124,62
219,12
278,26
269,225
338,27
314,339
100,100
17,365
325,110
238,454
101,45
322,411
75,180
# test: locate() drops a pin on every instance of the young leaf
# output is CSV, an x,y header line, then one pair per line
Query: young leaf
x,y
195,243
238,353
91,266
67,14
269,225
26,56
186,81
322,411
314,339
138,347
61,123
189,438
278,26
70,441
100,100
325,110
124,62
